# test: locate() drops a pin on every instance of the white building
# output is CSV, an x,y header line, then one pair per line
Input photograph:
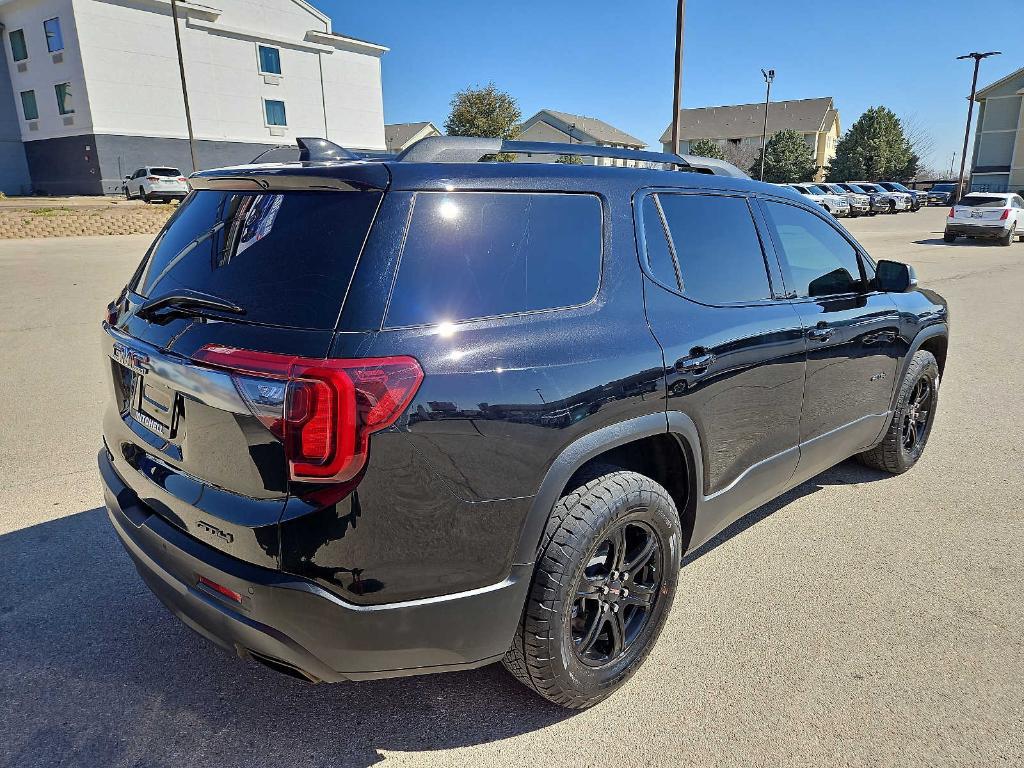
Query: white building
x,y
96,88
566,128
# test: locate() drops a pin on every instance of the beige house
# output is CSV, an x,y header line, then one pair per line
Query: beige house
x,y
400,136
998,161
737,129
562,127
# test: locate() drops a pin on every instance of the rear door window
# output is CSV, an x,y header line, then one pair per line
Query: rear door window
x,y
285,258
716,246
481,254
818,260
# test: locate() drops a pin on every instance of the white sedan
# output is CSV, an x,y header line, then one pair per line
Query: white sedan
x,y
155,182
998,215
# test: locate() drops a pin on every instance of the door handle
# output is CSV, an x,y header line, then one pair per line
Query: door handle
x,y
698,361
821,332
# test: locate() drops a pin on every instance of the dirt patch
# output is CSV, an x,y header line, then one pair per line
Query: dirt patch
x,y
61,221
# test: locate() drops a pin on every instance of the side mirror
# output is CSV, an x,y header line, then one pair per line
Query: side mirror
x,y
127,178
895,277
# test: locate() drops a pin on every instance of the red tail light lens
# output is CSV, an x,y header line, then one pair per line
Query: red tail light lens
x,y
1006,214
952,213
152,178
323,410
181,178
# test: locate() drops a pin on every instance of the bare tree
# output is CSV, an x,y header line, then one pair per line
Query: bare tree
x,y
922,143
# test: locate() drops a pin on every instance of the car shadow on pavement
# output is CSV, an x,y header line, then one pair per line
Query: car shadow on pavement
x,y
95,672
958,243
849,472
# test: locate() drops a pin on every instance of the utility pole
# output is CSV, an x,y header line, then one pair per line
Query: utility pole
x,y
951,164
970,113
184,87
677,86
768,77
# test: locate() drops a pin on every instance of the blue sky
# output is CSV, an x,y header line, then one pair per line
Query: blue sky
x,y
613,60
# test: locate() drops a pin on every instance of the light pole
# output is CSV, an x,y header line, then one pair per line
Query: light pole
x,y
970,113
768,77
952,163
184,87
677,85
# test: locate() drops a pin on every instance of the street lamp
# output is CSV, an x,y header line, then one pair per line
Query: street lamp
x,y
970,113
677,85
768,77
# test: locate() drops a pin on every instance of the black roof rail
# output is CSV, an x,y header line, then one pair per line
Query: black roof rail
x,y
470,149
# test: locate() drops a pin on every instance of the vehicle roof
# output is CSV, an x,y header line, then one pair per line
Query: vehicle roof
x,y
1005,195
405,175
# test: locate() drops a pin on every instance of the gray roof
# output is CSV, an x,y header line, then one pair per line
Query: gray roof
x,y
398,134
598,130
802,115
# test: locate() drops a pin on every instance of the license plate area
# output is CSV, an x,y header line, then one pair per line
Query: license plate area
x,y
155,406
977,214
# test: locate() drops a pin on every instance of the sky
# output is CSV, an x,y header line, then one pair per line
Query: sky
x,y
614,60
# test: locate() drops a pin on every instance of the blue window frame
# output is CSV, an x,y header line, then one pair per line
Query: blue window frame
x,y
270,60
29,106
18,48
275,113
64,103
54,38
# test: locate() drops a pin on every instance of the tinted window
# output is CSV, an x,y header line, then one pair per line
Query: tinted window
x,y
719,253
29,106
165,172
54,38
472,255
270,60
982,201
18,48
285,258
820,261
659,257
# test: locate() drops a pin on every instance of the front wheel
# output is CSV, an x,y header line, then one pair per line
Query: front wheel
x,y
912,420
601,591
892,206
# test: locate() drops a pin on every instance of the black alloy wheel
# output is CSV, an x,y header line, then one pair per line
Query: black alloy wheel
x,y
616,593
917,418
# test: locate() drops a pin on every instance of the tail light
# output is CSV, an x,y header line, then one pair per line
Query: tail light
x,y
1006,214
152,178
324,411
181,178
952,213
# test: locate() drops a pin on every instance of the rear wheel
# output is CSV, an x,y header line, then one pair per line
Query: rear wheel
x,y
948,237
1008,237
601,591
912,421
144,196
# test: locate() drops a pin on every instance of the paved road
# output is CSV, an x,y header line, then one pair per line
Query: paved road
x,y
860,620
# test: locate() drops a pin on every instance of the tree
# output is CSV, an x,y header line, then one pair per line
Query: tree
x,y
706,148
874,149
787,158
570,160
483,112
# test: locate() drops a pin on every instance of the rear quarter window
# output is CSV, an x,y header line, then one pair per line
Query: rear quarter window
x,y
286,258
481,254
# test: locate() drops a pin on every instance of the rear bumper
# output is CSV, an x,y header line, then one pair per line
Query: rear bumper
x,y
294,625
977,230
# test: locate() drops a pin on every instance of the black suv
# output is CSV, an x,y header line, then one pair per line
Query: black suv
x,y
373,418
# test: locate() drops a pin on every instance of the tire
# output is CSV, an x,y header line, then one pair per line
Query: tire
x,y
143,196
892,206
1008,237
564,648
899,451
127,193
948,237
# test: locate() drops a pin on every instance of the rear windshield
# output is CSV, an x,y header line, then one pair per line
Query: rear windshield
x,y
164,172
983,202
285,258
479,254
943,188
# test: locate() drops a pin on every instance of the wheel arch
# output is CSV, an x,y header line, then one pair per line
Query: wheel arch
x,y
650,444
934,339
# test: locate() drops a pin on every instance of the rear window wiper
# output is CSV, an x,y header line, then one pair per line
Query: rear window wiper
x,y
186,302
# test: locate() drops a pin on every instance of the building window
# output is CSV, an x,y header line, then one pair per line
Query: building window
x,y
29,106
274,111
64,104
270,60
54,38
18,48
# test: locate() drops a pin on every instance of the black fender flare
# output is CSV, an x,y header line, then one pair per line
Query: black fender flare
x,y
592,444
929,332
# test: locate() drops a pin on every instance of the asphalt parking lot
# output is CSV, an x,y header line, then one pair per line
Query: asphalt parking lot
x,y
860,620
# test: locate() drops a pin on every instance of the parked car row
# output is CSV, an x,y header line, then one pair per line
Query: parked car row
x,y
862,197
